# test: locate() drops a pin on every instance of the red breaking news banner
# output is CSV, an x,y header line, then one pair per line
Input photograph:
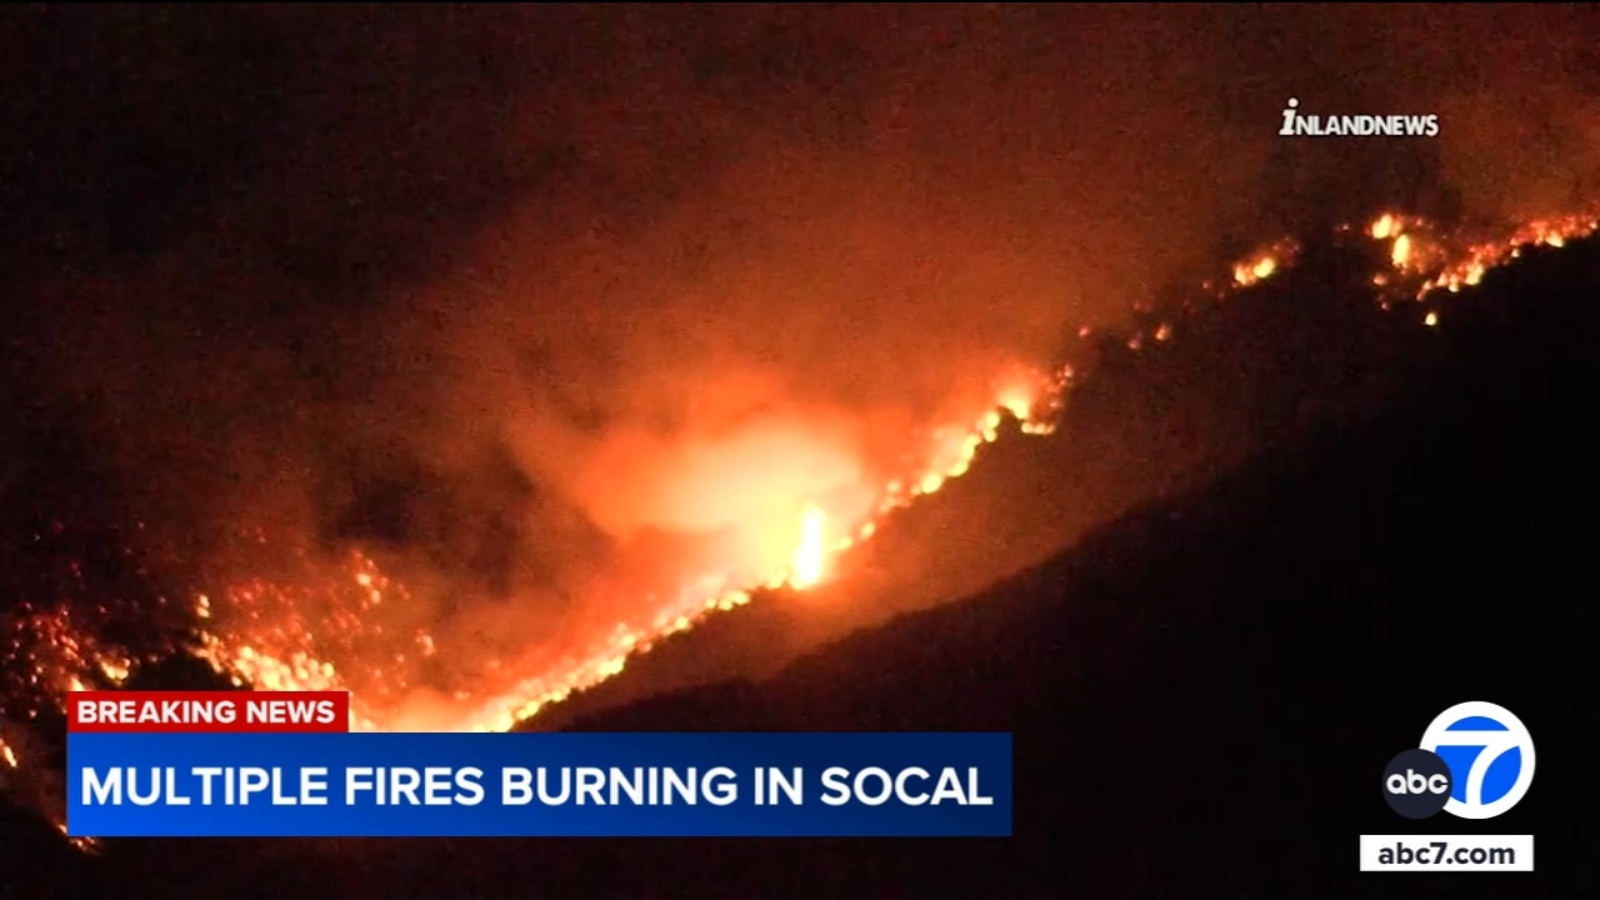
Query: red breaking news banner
x,y
169,711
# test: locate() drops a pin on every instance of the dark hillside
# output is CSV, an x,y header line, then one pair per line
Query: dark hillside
x,y
1203,693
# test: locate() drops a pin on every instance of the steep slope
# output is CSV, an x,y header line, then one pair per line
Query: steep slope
x,y
1203,694
1144,420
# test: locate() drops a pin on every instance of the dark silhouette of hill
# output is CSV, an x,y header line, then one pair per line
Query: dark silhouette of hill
x,y
1203,693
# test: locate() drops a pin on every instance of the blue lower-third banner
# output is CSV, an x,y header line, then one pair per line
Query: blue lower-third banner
x,y
545,785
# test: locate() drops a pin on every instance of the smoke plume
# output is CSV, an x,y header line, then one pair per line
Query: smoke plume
x,y
561,307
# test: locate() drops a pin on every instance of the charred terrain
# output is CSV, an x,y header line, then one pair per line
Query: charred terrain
x,y
1204,691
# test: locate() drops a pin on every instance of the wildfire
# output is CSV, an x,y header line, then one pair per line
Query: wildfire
x,y
279,636
1248,273
280,648
1418,251
26,780
1264,263
1387,226
323,636
59,652
813,549
1401,254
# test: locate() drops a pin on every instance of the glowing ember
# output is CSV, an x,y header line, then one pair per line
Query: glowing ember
x,y
58,651
1264,263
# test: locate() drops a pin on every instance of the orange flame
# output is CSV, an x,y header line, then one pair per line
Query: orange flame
x,y
270,640
810,556
1444,263
1264,263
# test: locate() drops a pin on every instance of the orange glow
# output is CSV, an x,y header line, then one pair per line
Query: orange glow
x,y
323,632
741,485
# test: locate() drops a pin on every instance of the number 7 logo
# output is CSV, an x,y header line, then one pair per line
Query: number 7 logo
x,y
1490,755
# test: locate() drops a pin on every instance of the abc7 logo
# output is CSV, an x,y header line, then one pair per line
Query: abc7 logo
x,y
1493,757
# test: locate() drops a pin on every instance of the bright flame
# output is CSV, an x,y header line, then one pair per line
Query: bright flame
x,y
1449,264
1264,263
810,556
1401,254
1246,274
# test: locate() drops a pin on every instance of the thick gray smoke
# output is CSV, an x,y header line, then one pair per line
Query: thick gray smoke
x,y
530,295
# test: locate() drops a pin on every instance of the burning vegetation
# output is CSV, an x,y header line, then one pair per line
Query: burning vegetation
x,y
321,631
274,636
